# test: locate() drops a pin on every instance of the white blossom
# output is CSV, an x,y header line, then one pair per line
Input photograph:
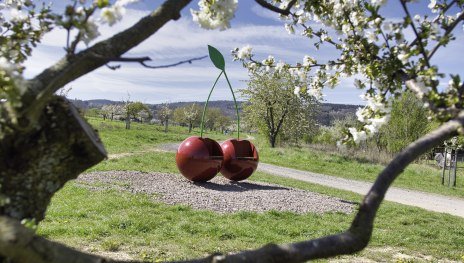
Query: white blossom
x,y
214,14
90,31
371,37
358,136
432,5
403,57
296,91
115,12
360,114
315,92
289,29
378,2
244,52
280,66
17,15
308,61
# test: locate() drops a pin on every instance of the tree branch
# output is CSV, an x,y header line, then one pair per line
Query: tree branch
x,y
142,61
418,37
71,67
273,8
21,245
447,32
447,7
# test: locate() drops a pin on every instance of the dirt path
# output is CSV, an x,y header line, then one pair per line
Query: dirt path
x,y
428,201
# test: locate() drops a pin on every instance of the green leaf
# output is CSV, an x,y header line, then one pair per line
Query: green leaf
x,y
216,57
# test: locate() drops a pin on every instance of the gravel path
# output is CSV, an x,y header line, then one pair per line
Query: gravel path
x,y
428,201
220,194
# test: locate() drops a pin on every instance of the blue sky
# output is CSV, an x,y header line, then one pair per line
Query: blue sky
x,y
183,39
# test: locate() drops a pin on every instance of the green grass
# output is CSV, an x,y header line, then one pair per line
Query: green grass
x,y
145,162
415,177
119,221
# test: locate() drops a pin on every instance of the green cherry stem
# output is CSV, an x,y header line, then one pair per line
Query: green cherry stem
x,y
236,106
206,104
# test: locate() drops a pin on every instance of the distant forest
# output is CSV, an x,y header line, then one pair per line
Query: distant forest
x,y
328,112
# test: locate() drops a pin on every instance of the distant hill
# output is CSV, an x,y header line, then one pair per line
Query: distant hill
x,y
328,112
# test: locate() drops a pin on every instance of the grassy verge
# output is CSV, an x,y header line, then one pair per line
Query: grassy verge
x,y
151,230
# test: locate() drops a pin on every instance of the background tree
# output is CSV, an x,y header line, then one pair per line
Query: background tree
x,y
213,118
110,110
408,122
222,122
164,114
135,110
188,115
274,107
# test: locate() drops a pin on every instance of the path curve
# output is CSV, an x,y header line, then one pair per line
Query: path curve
x,y
428,201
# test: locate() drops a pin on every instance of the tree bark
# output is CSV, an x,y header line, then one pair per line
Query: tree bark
x,y
128,122
37,163
166,125
272,140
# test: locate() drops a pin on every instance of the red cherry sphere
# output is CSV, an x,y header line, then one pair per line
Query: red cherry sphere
x,y
240,159
199,159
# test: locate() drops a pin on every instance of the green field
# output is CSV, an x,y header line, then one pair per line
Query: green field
x,y
120,222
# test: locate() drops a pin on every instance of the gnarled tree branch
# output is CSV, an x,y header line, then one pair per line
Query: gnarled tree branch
x,y
20,244
71,67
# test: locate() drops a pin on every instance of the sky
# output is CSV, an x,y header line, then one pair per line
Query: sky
x,y
183,39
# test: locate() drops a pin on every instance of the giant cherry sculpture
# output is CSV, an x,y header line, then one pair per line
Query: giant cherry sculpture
x,y
200,159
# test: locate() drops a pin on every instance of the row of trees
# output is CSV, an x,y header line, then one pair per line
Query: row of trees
x,y
126,111
188,115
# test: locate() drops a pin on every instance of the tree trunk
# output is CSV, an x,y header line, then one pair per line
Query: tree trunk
x,y
272,140
166,125
127,122
37,163
190,127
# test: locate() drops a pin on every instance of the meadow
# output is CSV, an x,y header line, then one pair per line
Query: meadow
x,y
118,222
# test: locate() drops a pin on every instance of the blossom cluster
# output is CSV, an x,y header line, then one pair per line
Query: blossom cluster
x,y
215,14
